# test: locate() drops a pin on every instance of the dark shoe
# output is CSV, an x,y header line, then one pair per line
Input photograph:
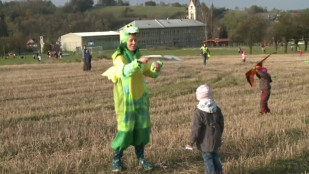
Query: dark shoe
x,y
139,150
145,164
117,166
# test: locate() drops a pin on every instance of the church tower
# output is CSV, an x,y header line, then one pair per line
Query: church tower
x,y
194,9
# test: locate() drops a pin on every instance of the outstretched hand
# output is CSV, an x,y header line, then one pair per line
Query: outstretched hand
x,y
156,66
143,59
258,67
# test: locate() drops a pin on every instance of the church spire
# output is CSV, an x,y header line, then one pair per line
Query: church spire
x,y
193,9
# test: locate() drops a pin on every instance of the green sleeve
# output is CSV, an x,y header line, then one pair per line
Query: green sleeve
x,y
149,71
130,68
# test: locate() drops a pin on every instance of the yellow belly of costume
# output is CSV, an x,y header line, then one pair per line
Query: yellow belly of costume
x,y
136,85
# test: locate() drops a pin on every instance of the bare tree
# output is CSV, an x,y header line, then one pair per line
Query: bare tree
x,y
304,25
285,28
232,21
252,30
204,16
18,42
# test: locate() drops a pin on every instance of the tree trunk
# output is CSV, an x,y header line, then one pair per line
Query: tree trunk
x,y
286,47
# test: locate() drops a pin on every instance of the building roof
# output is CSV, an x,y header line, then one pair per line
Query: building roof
x,y
30,41
219,40
99,33
166,23
195,2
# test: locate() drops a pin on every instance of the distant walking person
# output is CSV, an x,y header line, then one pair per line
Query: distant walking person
x,y
204,51
207,130
265,80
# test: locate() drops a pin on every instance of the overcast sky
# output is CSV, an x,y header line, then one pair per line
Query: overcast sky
x,y
241,4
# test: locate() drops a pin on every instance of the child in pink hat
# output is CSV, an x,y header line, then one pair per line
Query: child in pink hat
x,y
207,129
244,56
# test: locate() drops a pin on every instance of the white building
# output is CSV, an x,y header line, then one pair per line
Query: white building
x,y
169,32
106,40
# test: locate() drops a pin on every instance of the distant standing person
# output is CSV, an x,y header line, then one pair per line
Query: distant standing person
x,y
263,48
84,52
204,51
39,58
300,52
243,55
51,54
265,80
87,58
207,130
56,55
239,50
292,48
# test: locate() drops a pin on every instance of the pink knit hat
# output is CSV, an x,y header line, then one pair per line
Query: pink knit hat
x,y
203,92
263,69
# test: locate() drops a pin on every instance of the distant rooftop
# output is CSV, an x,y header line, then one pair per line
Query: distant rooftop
x,y
98,33
166,23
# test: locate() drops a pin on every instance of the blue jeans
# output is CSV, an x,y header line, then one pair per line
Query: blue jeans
x,y
212,163
204,58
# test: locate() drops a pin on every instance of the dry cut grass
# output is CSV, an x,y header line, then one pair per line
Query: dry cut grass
x,y
55,118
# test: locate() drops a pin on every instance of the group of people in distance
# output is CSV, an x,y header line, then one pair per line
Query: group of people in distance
x,y
131,99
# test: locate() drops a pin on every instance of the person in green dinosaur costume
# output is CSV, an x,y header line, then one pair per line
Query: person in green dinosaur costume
x,y
131,97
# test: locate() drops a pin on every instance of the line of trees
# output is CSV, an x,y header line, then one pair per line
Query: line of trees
x,y
257,25
21,21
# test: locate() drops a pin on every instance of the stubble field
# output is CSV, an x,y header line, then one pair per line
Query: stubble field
x,y
55,118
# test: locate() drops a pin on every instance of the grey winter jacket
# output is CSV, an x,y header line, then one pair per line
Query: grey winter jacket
x,y
265,80
206,141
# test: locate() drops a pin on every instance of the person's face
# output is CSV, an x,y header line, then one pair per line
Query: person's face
x,y
132,43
